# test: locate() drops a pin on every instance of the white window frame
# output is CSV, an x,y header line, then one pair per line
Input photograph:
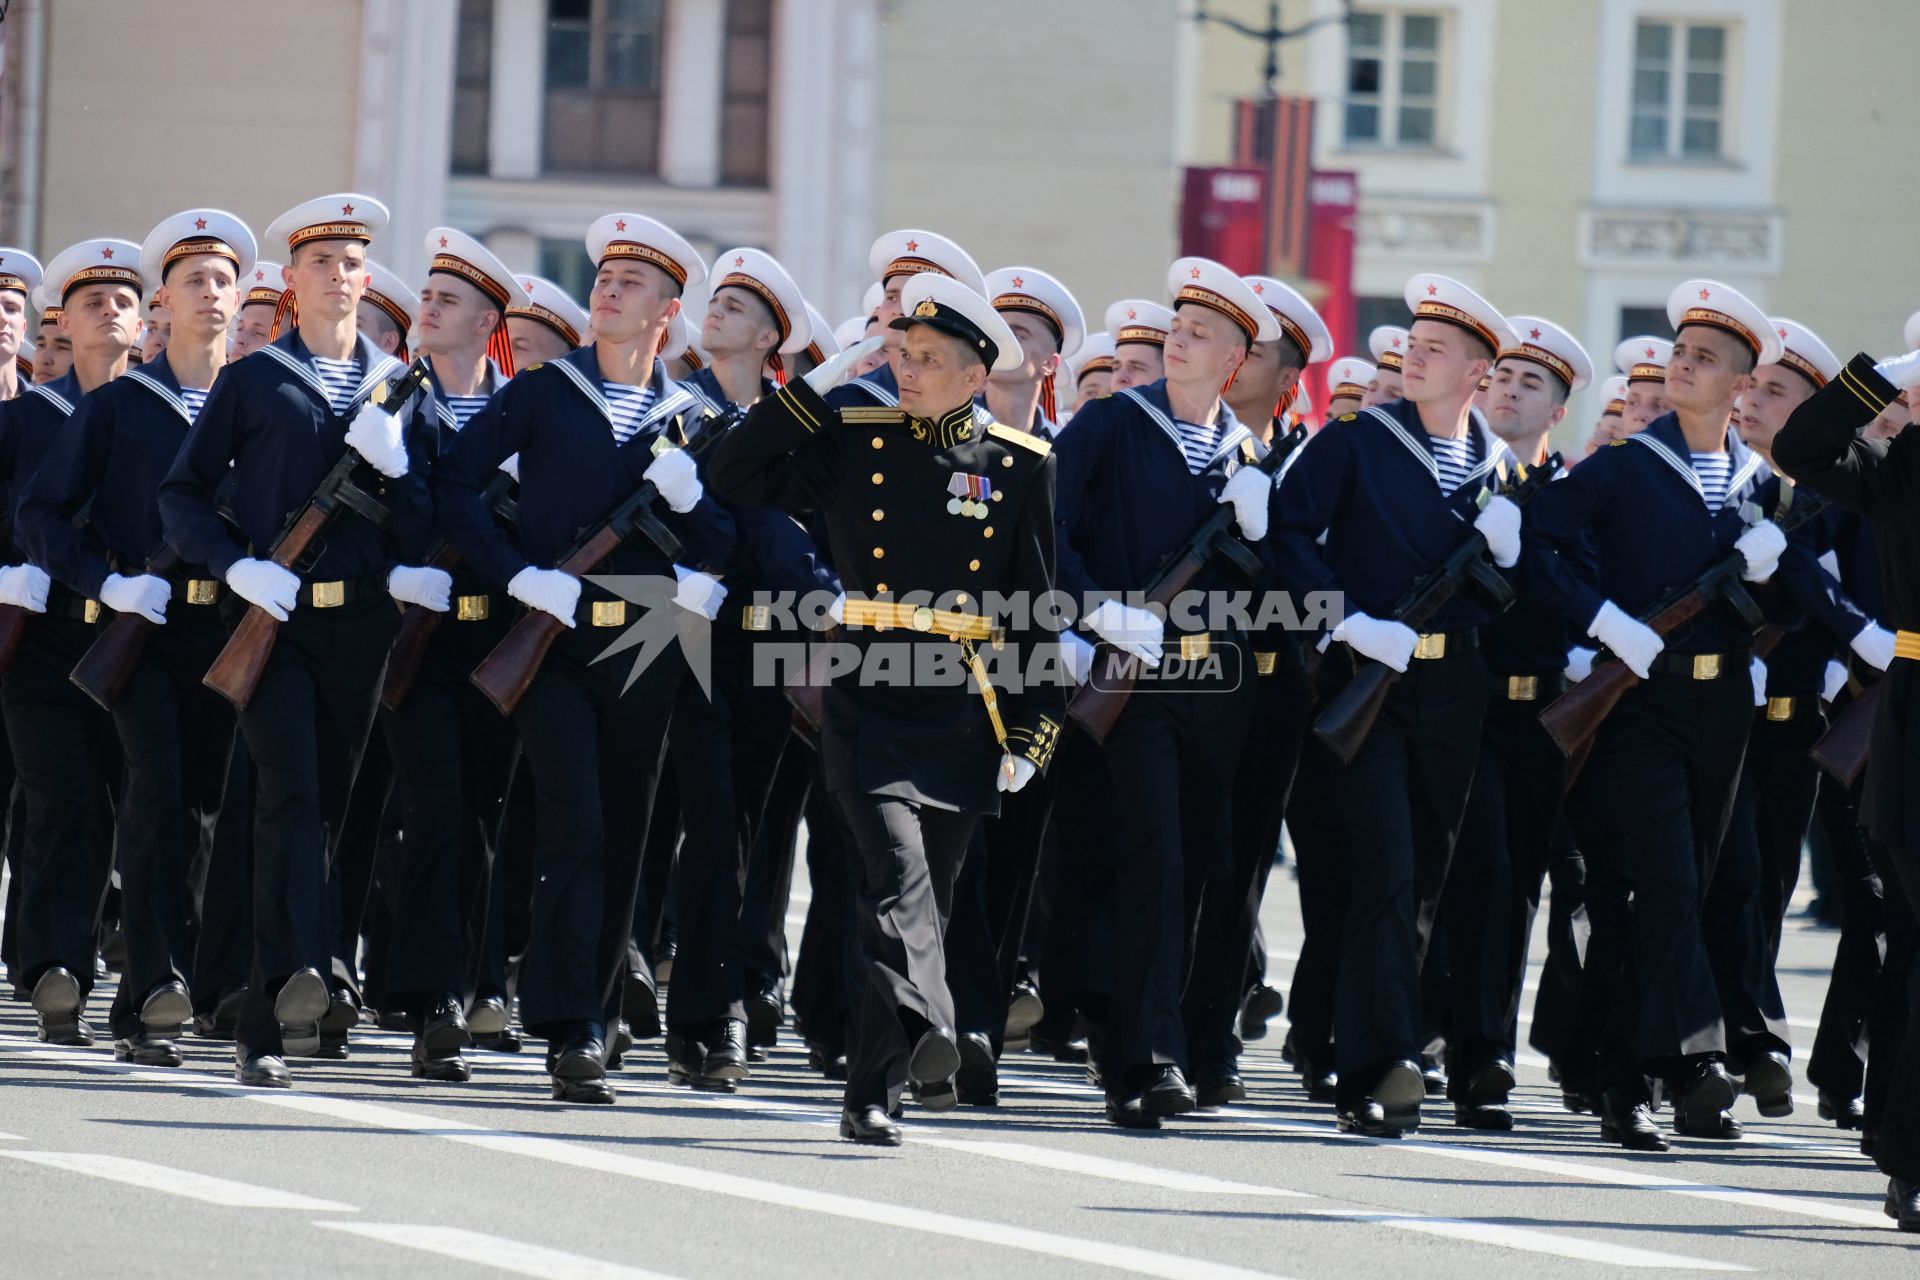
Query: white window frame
x,y
1677,111
1390,99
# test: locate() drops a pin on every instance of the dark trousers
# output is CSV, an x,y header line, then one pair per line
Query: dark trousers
x,y
1838,1062
497,911
1403,797
176,737
451,751
595,754
365,841
1493,885
1171,757
1650,811
1074,895
305,727
1758,864
1230,905
827,974
1560,1024
908,857
776,844
223,949
58,736
1316,823
990,910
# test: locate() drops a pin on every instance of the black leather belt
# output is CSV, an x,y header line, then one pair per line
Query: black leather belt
x,y
1702,666
63,602
341,591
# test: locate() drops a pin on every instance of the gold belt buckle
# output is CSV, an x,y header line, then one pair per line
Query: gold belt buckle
x,y
756,617
1706,666
1523,688
1265,663
609,613
329,595
1779,708
472,608
90,611
1431,646
922,618
1194,648
202,590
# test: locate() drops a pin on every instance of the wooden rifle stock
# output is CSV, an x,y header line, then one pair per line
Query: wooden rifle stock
x,y
236,673
418,623
1351,713
1842,749
104,669
1096,705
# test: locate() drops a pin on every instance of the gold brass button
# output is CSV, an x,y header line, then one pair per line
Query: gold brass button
x,y
877,477
987,532
878,514
879,588
959,597
879,553
974,565
1007,461
998,495
877,442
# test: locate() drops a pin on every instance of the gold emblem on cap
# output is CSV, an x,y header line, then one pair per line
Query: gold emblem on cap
x,y
927,307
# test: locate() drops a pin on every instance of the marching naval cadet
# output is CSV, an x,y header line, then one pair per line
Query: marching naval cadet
x,y
260,299
155,330
913,768
1139,471
387,310
279,422
1347,381
20,275
174,733
543,323
1392,489
1093,366
1879,479
52,727
1655,510
585,428
56,345
1613,404
1644,362
1388,343
1507,833
1139,331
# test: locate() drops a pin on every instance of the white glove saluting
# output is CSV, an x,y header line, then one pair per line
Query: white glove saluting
x,y
1632,641
548,590
25,586
1902,371
833,371
674,474
1130,630
143,594
1499,523
1015,773
1761,546
1248,490
264,583
700,593
1874,644
1390,643
425,586
375,436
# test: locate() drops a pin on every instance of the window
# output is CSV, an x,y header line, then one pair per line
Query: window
x,y
1369,313
744,103
565,262
472,85
1650,321
1679,91
1393,80
603,87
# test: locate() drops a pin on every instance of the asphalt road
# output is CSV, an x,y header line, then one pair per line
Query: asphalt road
x,y
110,1171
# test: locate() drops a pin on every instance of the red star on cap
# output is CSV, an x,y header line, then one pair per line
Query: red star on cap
x,y
443,242
1018,283
1193,273
259,275
106,253
913,246
1432,289
1650,353
1259,288
1396,342
199,224
1533,333
347,209
1132,314
1704,295
740,260
527,285
620,225
1783,335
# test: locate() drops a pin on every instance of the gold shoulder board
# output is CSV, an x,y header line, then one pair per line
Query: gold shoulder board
x,y
1348,417
1013,435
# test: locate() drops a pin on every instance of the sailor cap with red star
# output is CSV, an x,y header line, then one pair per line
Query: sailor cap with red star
x,y
455,253
20,271
1137,320
911,252
1720,306
1036,292
263,284
1388,342
1802,351
390,293
1614,390
94,262
1551,347
762,275
1094,355
1204,282
1643,359
1348,377
1298,318
344,215
543,300
1434,297
638,237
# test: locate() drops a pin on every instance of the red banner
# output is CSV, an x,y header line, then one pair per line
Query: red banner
x,y
1333,199
1223,215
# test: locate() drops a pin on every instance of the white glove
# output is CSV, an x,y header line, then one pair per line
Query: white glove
x,y
700,593
1499,523
833,371
1836,681
1248,490
1391,643
266,584
1761,545
25,585
1874,644
548,590
1902,371
674,474
1015,773
1129,630
1077,656
143,594
375,436
512,467
1579,663
1757,669
1632,641
425,586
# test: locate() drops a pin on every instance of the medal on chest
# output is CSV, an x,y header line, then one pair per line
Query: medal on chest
x,y
971,494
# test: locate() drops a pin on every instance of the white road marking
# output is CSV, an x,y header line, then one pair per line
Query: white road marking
x,y
11,1137
497,1252
1510,1237
177,1182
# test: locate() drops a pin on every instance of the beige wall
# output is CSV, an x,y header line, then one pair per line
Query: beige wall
x,y
1035,132
238,81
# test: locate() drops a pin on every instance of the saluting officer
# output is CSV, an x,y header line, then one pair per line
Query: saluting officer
x,y
931,513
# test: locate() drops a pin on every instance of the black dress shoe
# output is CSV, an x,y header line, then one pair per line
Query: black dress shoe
x,y
263,1071
640,1006
222,1023
302,1000
439,1064
579,1068
1399,1091
725,1062
938,1096
1127,1112
1069,1051
1024,1009
488,1017
1903,1203
764,1014
166,1009
977,1082
1718,1125
685,1056
391,1019
935,1057
1433,1076
1629,1122
1220,1091
1491,1084
147,1051
1321,1084
829,1060
1482,1115
1165,1092
1366,1118
507,1041
663,961
1845,1113
57,995
1702,1109
444,1029
1577,1102
870,1125
1770,1084
620,1045
1262,1005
